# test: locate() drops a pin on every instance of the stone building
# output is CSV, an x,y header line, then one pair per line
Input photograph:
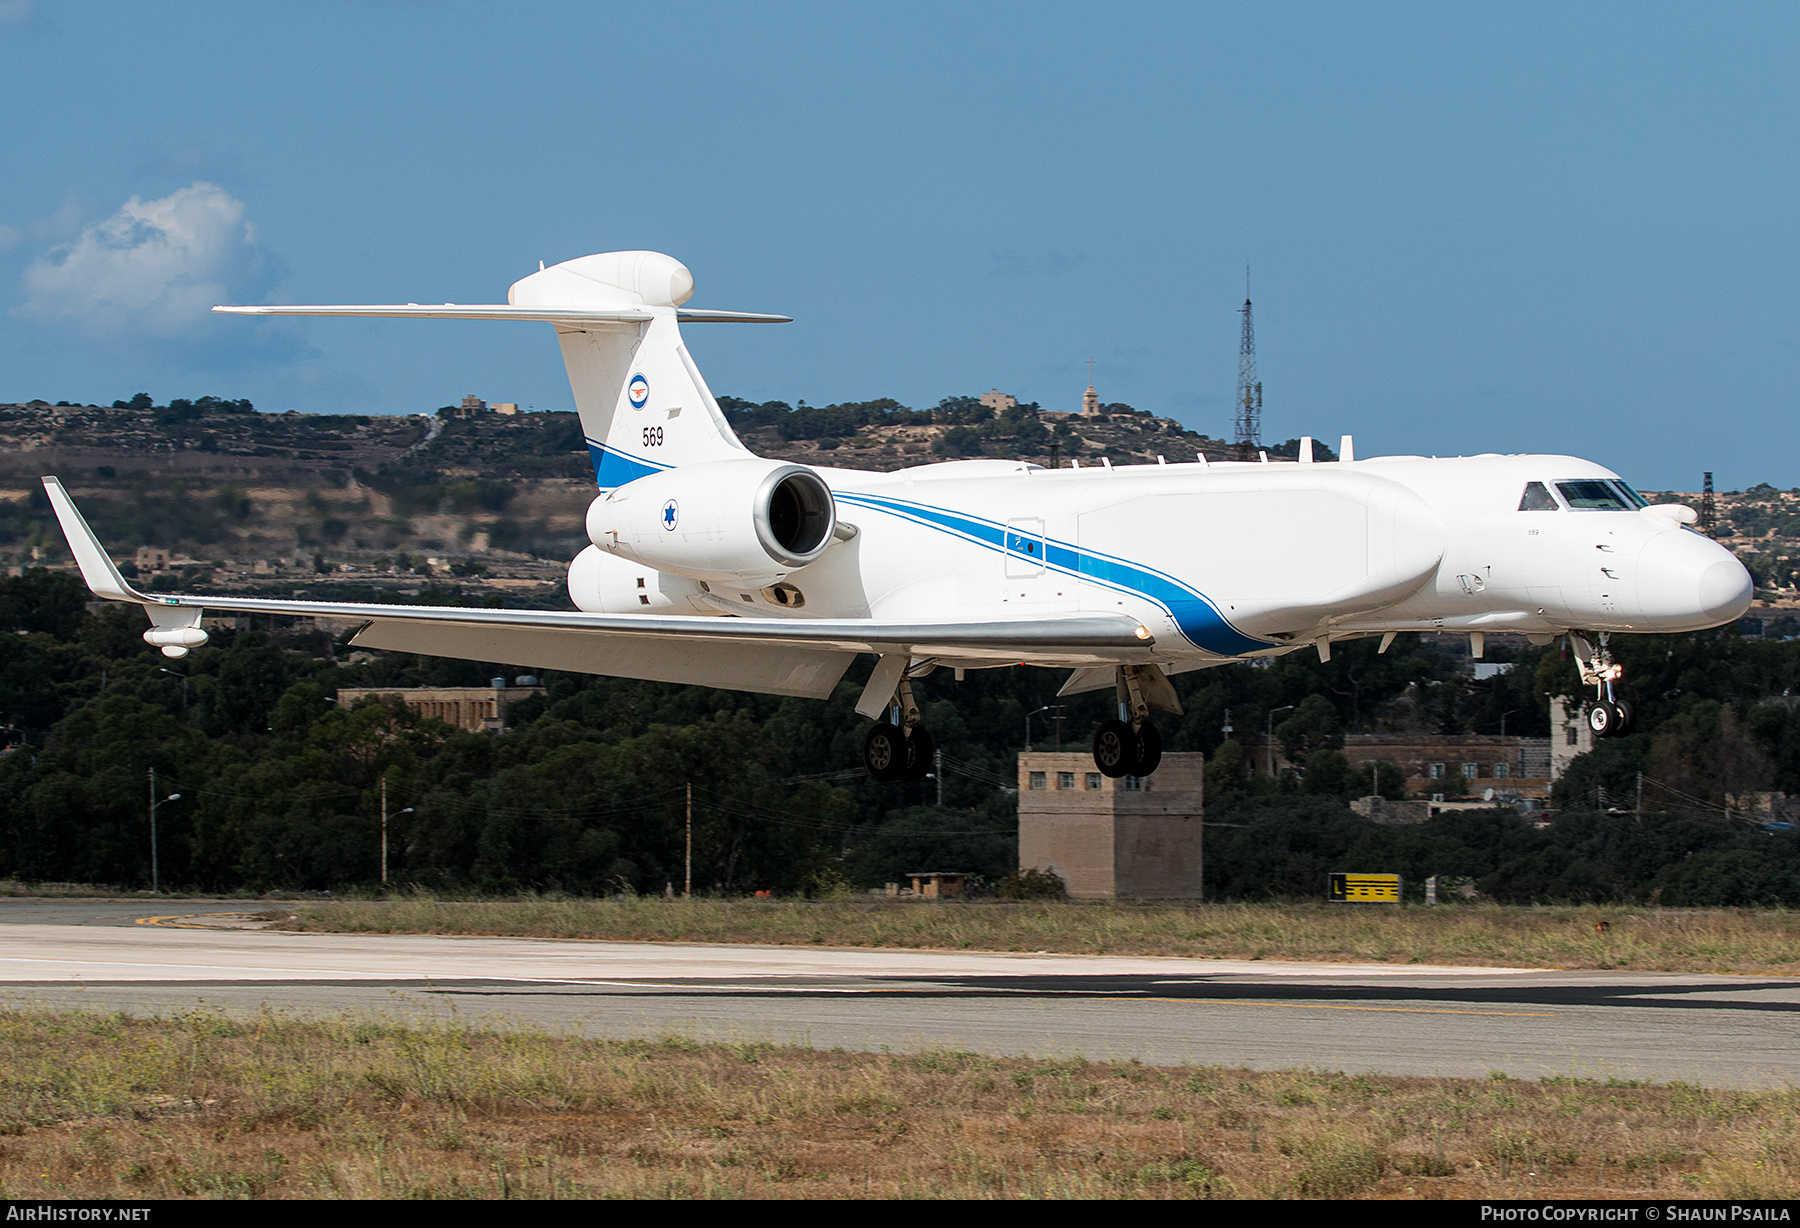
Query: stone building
x,y
1453,765
479,709
1112,839
1569,733
997,401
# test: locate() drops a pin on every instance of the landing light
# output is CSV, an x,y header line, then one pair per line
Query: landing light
x,y
1143,633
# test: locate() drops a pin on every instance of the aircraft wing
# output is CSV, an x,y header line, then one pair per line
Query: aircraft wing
x,y
782,656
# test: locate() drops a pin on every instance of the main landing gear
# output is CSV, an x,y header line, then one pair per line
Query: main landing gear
x,y
899,748
1609,716
1130,745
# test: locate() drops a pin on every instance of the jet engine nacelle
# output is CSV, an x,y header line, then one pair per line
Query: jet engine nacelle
x,y
748,521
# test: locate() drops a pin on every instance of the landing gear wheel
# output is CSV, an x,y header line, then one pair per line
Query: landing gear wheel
x,y
918,754
884,752
1627,718
1603,719
1117,749
1149,750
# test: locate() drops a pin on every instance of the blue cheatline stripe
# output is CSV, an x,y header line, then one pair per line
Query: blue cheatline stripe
x,y
1197,617
613,468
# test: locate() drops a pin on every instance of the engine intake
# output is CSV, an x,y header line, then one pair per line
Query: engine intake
x,y
737,521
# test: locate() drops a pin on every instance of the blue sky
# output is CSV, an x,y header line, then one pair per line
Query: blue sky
x,y
1495,228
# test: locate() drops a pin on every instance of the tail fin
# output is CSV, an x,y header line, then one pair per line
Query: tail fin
x,y
643,403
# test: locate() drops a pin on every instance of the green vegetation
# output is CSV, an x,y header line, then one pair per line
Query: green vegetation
x,y
1667,940
587,794
884,433
207,1106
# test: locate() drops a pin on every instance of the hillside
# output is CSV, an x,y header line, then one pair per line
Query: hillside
x,y
239,499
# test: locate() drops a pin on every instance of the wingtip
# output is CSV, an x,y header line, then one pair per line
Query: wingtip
x,y
98,570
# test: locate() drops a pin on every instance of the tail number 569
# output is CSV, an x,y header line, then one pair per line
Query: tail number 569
x,y
653,436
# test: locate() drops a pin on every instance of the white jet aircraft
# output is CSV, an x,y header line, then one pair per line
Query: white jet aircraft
x,y
714,567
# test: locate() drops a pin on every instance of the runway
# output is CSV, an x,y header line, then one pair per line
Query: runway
x,y
162,958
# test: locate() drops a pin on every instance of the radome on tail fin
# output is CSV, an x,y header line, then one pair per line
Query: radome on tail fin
x,y
644,405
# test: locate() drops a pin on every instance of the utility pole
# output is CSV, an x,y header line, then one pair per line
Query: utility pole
x,y
1247,426
154,884
1269,733
155,870
937,769
384,822
687,872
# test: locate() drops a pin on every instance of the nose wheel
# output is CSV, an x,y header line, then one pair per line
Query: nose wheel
x,y
1610,718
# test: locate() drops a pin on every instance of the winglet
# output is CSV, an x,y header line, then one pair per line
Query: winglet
x,y
96,566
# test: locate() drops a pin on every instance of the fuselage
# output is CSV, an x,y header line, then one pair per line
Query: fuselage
x,y
1229,560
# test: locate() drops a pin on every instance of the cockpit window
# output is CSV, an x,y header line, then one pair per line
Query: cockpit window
x,y
1537,498
1593,495
1631,496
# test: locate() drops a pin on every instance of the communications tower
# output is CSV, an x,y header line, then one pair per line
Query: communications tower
x,y
1248,406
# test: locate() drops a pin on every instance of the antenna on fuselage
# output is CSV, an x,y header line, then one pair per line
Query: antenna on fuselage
x,y
1248,404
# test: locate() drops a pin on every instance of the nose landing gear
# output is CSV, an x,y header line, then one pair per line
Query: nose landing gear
x,y
1609,716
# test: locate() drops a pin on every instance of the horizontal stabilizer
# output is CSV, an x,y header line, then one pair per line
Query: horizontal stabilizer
x,y
505,311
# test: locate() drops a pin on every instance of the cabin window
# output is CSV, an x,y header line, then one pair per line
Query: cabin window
x,y
1537,498
1631,496
1593,496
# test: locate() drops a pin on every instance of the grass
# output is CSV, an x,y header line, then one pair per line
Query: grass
x,y
204,1106
1671,940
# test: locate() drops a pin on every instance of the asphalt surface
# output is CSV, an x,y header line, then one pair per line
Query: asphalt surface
x,y
165,957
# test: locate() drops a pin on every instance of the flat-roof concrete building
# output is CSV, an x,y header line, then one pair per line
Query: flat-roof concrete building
x,y
479,709
1458,765
1113,839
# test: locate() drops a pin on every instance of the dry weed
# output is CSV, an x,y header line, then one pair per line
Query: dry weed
x,y
1719,940
201,1106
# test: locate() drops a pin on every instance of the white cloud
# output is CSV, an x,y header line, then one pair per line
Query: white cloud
x,y
155,268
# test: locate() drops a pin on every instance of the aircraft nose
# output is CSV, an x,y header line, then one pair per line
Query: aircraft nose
x,y
1726,591
1688,583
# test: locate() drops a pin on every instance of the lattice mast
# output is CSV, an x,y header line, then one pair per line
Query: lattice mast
x,y
1247,428
1709,510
